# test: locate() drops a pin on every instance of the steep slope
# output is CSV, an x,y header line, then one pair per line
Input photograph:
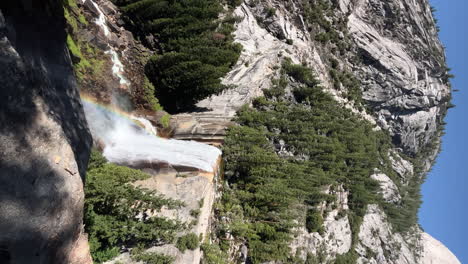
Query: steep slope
x,y
44,139
383,56
332,119
179,172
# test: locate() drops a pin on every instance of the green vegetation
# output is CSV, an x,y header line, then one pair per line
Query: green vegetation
x,y
195,213
314,221
71,21
195,48
150,257
270,11
189,241
328,146
83,66
348,258
405,215
70,3
144,96
212,254
73,14
286,150
87,60
165,120
320,15
352,86
115,211
75,51
82,20
90,62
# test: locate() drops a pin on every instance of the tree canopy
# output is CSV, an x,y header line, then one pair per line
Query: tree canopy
x,y
116,212
295,141
194,47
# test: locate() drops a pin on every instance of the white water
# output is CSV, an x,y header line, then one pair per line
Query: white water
x,y
101,20
146,124
126,143
117,67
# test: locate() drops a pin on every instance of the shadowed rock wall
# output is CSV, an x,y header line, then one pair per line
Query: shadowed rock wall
x,y
44,139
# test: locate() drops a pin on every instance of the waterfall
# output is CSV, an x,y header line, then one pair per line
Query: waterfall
x,y
146,124
101,20
117,67
127,143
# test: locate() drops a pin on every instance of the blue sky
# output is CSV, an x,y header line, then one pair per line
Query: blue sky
x,y
444,213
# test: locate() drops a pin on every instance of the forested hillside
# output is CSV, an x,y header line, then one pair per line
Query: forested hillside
x,y
193,43
295,143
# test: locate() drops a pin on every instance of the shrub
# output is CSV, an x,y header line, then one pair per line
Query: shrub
x,y
183,82
212,254
71,20
270,11
189,241
299,72
165,120
152,258
73,48
82,20
195,213
348,258
322,37
314,221
149,98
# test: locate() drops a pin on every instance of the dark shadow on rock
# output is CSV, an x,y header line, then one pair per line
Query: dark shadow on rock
x,y
41,203
36,31
38,219
196,109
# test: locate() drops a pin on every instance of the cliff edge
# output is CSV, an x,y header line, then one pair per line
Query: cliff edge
x,y
44,137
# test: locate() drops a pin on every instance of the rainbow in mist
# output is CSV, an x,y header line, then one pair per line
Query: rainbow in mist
x,y
142,122
127,143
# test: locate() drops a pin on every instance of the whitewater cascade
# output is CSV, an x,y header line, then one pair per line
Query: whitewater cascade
x,y
127,143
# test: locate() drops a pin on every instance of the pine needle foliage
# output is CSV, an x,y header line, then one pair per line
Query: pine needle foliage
x,y
118,213
194,47
295,141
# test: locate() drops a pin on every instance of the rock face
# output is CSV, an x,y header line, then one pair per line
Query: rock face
x,y
44,139
388,188
104,85
403,71
252,73
376,236
197,191
336,238
435,252
393,49
405,75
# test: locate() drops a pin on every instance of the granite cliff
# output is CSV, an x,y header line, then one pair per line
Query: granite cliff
x,y
380,61
392,49
44,138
